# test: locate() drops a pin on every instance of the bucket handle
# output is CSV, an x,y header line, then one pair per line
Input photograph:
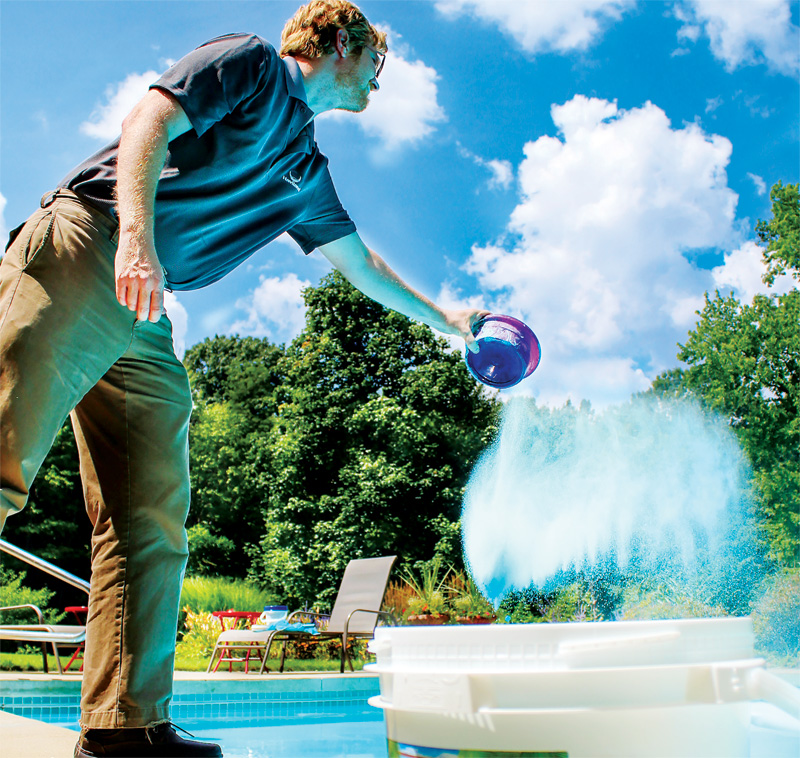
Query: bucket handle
x,y
762,685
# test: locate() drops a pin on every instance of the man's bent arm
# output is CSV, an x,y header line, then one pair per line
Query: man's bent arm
x,y
146,133
368,272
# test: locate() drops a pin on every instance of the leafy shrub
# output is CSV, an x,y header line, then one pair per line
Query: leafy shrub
x,y
207,551
212,593
667,601
516,608
776,618
12,592
581,600
465,597
430,592
200,637
397,598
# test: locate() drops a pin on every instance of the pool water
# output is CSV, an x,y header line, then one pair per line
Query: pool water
x,y
323,717
349,739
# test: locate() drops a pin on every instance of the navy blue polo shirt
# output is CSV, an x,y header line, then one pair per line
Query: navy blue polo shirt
x,y
247,171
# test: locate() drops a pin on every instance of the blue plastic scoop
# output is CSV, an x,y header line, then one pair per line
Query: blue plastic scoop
x,y
509,351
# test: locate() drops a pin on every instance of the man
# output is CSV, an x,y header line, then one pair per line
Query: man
x,y
215,161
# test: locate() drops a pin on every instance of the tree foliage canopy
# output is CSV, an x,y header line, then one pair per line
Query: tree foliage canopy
x,y
780,236
371,446
744,361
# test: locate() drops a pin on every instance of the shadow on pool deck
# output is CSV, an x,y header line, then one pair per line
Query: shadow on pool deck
x,y
28,738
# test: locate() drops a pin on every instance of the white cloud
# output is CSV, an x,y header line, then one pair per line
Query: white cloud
x,y
744,33
593,257
742,272
275,309
689,33
405,109
105,121
712,103
543,25
502,172
180,322
760,184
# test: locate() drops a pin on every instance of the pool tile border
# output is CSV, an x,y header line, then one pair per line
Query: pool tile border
x,y
209,699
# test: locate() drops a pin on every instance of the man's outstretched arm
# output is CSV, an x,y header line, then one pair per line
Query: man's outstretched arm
x,y
146,133
368,272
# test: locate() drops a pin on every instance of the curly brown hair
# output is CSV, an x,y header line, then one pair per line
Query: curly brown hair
x,y
311,32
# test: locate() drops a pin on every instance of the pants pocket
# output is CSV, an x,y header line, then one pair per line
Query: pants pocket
x,y
13,234
38,240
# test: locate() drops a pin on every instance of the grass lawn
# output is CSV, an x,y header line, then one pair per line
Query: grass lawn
x,y
33,662
313,664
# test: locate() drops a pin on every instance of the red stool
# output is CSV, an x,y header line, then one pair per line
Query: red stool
x,y
80,612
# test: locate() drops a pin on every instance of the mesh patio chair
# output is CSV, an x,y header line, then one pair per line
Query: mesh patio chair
x,y
66,635
355,613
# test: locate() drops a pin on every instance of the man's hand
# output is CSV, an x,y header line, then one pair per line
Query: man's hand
x,y
140,281
462,322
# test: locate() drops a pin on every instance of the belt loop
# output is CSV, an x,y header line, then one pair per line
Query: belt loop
x,y
115,236
48,198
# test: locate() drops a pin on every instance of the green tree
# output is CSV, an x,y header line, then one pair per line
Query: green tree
x,y
226,505
235,386
239,370
781,235
744,361
54,524
371,447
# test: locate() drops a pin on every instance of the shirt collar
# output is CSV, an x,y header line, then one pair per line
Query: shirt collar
x,y
294,79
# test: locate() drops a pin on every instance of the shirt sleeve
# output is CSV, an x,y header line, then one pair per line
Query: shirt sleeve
x,y
326,221
212,80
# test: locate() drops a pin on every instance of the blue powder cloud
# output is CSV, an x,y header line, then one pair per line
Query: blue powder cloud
x,y
660,484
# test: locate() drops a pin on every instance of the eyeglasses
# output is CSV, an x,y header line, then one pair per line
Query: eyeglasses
x,y
380,59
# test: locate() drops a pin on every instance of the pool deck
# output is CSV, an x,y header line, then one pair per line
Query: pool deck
x,y
27,738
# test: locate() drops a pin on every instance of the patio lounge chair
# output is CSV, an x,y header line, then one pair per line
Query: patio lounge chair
x,y
355,614
53,634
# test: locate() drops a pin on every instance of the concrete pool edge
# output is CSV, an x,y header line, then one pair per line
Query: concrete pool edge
x,y
35,739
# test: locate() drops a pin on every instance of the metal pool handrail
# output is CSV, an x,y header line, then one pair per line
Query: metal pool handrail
x,y
44,565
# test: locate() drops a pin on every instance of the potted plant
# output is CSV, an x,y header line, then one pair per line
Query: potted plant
x,y
428,605
468,603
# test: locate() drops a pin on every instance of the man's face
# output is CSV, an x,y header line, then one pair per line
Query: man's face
x,y
355,78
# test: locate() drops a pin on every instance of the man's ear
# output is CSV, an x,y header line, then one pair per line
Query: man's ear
x,y
342,39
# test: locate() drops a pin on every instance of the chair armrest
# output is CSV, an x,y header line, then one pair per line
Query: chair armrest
x,y
365,610
27,605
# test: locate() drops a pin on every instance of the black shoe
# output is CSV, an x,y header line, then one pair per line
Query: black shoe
x,y
160,741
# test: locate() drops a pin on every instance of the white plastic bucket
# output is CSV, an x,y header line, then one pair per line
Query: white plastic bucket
x,y
631,688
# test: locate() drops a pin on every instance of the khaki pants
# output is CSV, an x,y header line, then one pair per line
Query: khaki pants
x,y
68,347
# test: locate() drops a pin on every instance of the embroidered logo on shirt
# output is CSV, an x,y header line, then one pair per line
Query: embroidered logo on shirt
x,y
293,179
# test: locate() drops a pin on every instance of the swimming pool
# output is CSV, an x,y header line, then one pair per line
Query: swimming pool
x,y
296,717
290,717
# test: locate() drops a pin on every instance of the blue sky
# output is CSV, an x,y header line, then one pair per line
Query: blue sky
x,y
591,166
